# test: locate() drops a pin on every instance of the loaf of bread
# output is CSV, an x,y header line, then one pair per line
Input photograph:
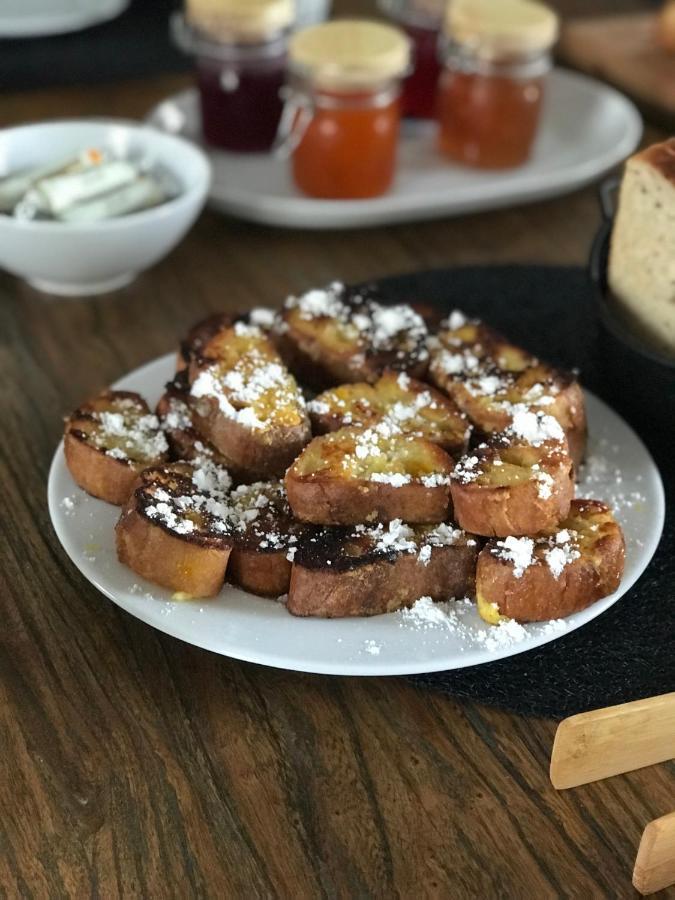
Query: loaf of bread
x,y
642,254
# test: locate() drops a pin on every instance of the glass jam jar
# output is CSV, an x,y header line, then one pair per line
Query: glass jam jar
x,y
342,115
421,20
496,56
240,51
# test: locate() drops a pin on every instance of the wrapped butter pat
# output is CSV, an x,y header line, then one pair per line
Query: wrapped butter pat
x,y
14,188
142,193
642,254
55,195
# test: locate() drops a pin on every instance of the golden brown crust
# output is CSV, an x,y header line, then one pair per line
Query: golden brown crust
x,y
335,502
588,566
105,462
248,452
413,406
199,335
247,405
507,488
371,585
486,376
265,574
367,475
264,535
167,560
185,442
154,540
337,335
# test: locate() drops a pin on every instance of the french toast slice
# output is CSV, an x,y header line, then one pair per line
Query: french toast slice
x,y
175,419
412,406
368,570
336,335
510,486
206,329
356,475
555,574
108,440
247,404
487,377
265,536
175,529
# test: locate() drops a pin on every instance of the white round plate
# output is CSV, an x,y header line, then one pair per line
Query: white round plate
x,y
620,470
38,18
586,129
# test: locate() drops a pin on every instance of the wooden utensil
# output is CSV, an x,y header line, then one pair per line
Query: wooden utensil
x,y
616,739
606,742
655,863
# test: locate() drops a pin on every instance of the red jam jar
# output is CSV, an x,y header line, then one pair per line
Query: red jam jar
x,y
240,51
496,56
421,20
341,121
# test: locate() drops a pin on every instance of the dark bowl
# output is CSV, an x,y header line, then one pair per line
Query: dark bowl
x,y
639,377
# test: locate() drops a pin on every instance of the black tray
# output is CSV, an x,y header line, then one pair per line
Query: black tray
x,y
629,651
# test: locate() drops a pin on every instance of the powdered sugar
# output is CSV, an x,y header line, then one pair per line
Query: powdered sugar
x,y
534,427
559,557
458,617
395,479
128,435
516,550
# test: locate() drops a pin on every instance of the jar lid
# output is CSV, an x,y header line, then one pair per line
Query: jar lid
x,y
246,20
349,53
502,27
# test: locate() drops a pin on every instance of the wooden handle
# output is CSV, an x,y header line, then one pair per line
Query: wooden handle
x,y
616,739
655,862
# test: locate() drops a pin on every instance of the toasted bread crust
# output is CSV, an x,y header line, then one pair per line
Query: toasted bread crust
x,y
241,380
335,502
330,337
265,535
265,454
199,335
99,475
152,536
413,406
265,574
167,560
88,450
381,586
486,375
537,593
185,442
504,495
331,482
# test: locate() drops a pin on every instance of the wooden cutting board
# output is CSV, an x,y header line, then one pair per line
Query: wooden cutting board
x,y
623,51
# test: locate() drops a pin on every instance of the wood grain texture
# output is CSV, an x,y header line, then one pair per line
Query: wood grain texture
x,y
132,764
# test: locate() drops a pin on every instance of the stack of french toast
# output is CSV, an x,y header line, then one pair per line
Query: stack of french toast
x,y
344,455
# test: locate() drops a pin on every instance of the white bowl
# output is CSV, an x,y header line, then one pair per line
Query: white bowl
x,y
72,259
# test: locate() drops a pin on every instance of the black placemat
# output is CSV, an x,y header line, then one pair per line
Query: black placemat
x,y
629,651
136,44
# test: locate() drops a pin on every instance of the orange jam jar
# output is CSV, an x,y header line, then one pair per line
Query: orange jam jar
x,y
496,55
341,120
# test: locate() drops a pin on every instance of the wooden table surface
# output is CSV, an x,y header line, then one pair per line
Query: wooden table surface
x,y
135,765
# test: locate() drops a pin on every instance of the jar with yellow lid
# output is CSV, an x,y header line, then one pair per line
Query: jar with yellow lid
x,y
496,54
240,50
342,116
